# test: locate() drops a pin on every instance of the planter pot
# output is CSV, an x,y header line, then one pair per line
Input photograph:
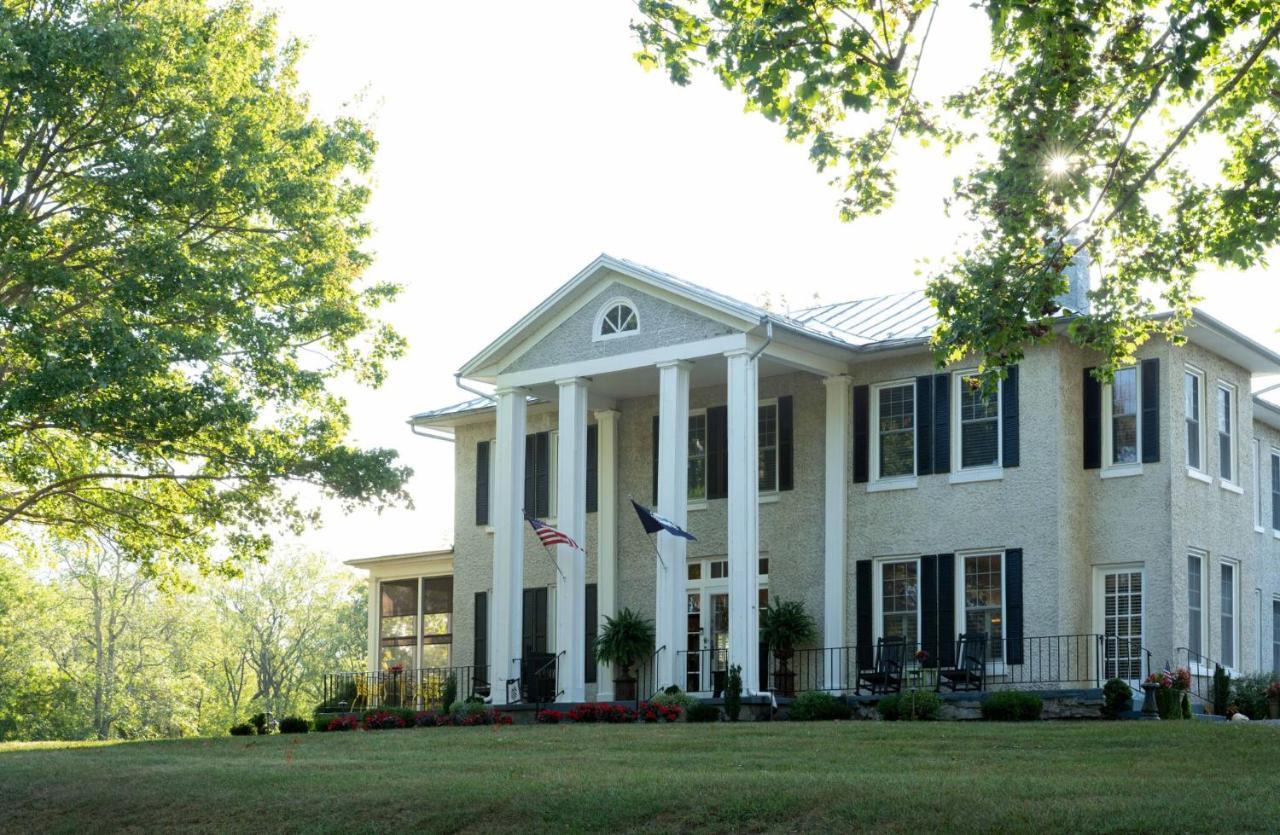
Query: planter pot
x,y
624,689
784,682
1273,708
1169,703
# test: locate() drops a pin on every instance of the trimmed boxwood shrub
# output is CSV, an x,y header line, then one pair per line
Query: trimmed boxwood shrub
x,y
294,725
912,706
818,707
702,712
1012,706
1117,697
243,729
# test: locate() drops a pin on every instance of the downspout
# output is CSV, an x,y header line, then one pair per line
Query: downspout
x,y
768,336
457,378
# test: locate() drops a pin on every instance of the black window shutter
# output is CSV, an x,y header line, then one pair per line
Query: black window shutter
x,y
593,468
924,425
533,632
947,609
1009,417
655,460
862,593
1092,406
481,658
928,608
1013,605
942,423
861,435
482,483
530,483
718,452
786,444
1150,411
589,656
542,475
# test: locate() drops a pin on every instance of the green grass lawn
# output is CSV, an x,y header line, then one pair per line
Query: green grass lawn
x,y
1184,776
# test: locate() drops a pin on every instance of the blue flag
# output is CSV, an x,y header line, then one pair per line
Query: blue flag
x,y
653,523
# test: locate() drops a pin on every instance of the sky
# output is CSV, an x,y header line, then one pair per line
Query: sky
x,y
519,140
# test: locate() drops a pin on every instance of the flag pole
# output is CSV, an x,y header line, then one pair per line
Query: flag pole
x,y
546,549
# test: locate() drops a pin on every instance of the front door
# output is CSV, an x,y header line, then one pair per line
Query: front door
x,y
706,648
1118,617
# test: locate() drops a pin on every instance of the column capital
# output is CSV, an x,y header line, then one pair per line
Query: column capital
x,y
603,415
838,381
573,381
675,364
739,352
505,390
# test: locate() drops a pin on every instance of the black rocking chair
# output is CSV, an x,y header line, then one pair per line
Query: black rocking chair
x,y
970,670
886,673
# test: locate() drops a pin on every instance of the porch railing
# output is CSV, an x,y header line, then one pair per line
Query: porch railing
x,y
413,689
539,677
1201,668
647,675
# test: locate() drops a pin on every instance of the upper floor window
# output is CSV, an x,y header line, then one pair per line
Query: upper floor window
x,y
894,439
1230,625
1226,432
767,443
697,456
1275,491
978,418
1123,418
617,318
1193,394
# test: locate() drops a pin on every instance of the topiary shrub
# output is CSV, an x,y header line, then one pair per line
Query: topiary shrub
x,y
259,722
294,725
243,729
733,693
912,706
1117,697
1221,690
701,712
818,707
1012,706
449,694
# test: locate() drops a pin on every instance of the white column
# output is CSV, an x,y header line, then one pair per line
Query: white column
x,y
571,518
673,502
508,544
606,536
839,410
375,614
744,518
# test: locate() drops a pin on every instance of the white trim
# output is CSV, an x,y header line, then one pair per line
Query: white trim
x,y
1234,565
839,408
897,482
773,492
1231,487
1199,476
1201,471
1121,470
993,667
884,485
1274,454
1124,468
877,592
1203,556
976,474
985,472
607,308
1257,486
1099,594
625,362
1234,419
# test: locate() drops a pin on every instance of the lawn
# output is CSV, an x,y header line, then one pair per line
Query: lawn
x,y
1184,776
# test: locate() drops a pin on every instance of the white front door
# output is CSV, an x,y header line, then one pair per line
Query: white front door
x,y
1118,609
706,647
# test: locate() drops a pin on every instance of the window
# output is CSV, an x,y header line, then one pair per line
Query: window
x,y
1275,491
1195,605
984,600
1275,635
978,416
697,456
1122,623
1120,439
617,318
399,609
1230,625
415,624
900,600
1193,391
1226,441
1257,485
437,621
768,447
895,435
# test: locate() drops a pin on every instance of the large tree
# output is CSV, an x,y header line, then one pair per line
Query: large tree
x,y
1145,131
181,260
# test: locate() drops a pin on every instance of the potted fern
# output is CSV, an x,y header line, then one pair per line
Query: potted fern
x,y
623,641
782,626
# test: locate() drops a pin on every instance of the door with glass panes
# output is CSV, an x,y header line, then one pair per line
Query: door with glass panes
x,y
1118,610
706,648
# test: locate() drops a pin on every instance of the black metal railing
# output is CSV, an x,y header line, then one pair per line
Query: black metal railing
x,y
1201,668
539,677
414,689
647,675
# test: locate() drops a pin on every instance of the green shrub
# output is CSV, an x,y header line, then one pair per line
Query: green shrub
x,y
1250,694
912,706
1012,706
243,729
409,717
1117,697
674,697
294,725
463,710
449,694
733,693
1221,690
701,712
818,707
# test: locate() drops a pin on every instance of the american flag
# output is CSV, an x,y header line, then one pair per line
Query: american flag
x,y
550,536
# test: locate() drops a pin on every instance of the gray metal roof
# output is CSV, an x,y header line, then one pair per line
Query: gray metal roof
x,y
893,318
477,404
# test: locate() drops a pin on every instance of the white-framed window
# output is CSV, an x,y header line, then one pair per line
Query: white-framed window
x,y
1193,406
1275,635
975,428
897,599
1195,603
698,455
1257,486
1228,609
617,317
415,622
1275,492
767,445
981,605
1121,417
893,443
1226,413
1118,617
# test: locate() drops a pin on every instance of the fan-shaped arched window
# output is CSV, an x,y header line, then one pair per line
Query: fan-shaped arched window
x,y
617,318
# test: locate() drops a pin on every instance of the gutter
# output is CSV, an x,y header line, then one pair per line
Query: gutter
x,y
767,321
426,433
457,379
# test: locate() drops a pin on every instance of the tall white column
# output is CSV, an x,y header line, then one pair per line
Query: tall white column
x,y
606,536
571,518
744,518
673,502
506,607
835,510
375,614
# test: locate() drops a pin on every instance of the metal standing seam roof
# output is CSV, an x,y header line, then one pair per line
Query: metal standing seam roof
x,y
893,318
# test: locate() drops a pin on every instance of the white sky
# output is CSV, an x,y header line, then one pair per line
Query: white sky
x,y
518,140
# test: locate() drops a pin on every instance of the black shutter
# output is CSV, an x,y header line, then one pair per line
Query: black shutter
x,y
1275,493
1009,417
924,425
942,423
1013,605
861,434
947,609
655,460
533,630
482,483
862,597
481,651
542,475
718,452
786,444
928,608
1150,372
1092,407
593,468
589,655
530,483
